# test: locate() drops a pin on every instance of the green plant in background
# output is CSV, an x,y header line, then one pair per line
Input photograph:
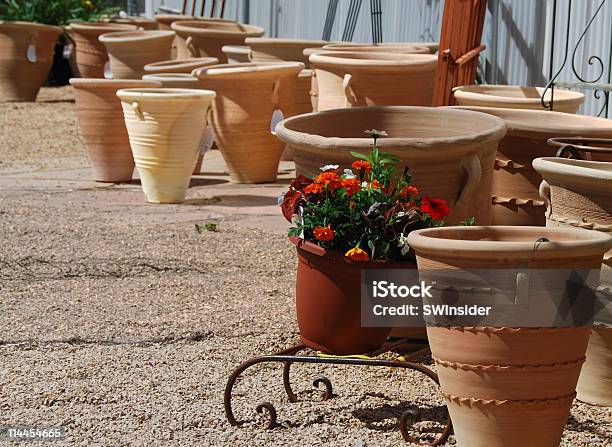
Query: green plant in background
x,y
54,12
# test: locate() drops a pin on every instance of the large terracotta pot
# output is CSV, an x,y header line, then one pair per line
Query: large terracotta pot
x,y
516,97
328,301
26,55
516,200
508,386
432,143
275,50
247,96
140,22
91,56
411,48
578,194
363,79
180,65
237,53
200,38
165,21
130,51
102,126
166,127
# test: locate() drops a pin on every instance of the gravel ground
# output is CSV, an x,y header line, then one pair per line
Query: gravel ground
x,y
124,330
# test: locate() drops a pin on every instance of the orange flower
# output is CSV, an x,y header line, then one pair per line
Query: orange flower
x,y
375,184
326,177
410,191
313,188
357,254
352,186
362,164
324,234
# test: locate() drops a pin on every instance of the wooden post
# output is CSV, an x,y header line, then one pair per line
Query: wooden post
x,y
460,46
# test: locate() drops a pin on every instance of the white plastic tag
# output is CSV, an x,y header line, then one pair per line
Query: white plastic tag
x,y
108,74
67,51
31,53
208,140
277,117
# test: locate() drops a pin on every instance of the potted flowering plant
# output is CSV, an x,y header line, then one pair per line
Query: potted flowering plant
x,y
347,221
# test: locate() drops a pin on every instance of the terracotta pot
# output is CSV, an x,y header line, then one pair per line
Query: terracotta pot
x,y
516,97
237,53
578,194
493,378
364,79
91,56
434,144
165,21
247,96
166,127
200,38
138,21
103,128
303,100
266,49
328,301
516,200
179,65
130,51
26,55
409,48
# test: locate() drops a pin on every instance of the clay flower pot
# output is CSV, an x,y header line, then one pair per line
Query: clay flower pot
x,y
328,301
91,56
348,79
410,48
179,65
516,200
237,53
578,194
26,55
459,148
164,21
516,97
276,50
247,96
103,128
508,386
201,38
130,51
166,127
139,22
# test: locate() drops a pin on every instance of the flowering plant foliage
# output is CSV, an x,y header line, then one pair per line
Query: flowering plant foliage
x,y
365,212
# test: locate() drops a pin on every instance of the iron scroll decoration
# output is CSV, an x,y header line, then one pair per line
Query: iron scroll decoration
x,y
591,83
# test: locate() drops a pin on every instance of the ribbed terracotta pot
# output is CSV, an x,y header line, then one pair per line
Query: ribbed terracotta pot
x,y
180,65
164,21
508,386
434,144
364,79
130,51
408,47
26,55
140,22
91,56
516,200
277,50
201,38
166,127
237,54
102,126
247,96
578,194
516,97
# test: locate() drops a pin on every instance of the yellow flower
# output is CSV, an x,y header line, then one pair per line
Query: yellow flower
x,y
88,4
357,254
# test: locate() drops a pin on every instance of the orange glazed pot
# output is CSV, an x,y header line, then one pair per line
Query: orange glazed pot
x,y
328,301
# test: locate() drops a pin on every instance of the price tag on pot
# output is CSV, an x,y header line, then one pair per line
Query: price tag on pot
x,y
31,53
277,117
108,74
67,51
208,140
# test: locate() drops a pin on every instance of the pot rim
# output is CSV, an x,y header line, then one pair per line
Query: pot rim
x,y
280,42
248,68
373,61
362,50
303,140
164,94
136,36
25,26
431,241
243,49
182,63
528,121
478,92
180,77
375,45
579,169
100,27
203,28
111,83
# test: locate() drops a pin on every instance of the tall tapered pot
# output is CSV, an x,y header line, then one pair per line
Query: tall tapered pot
x,y
433,143
130,51
508,386
26,55
578,194
166,127
247,96
91,56
102,126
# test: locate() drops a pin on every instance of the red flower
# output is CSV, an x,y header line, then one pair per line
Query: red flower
x,y
324,234
362,164
436,208
300,182
313,188
352,186
410,191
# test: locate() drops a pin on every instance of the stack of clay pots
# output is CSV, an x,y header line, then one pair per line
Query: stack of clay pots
x,y
26,56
